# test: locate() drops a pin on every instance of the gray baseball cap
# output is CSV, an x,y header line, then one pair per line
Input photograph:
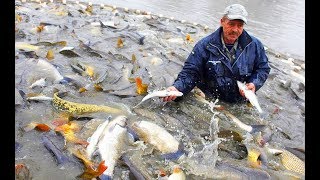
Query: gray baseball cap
x,y
236,11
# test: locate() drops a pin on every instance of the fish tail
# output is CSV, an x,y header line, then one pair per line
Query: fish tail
x,y
258,128
141,40
105,177
22,94
112,110
173,156
259,109
61,158
133,134
66,80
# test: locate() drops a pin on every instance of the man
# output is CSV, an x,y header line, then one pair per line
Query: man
x,y
220,59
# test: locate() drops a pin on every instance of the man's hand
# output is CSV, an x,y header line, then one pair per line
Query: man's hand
x,y
170,98
250,86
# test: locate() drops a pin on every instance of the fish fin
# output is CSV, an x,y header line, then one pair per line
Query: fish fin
x,y
133,134
137,105
141,40
173,156
105,177
95,152
66,80
90,172
22,94
43,127
257,128
30,126
50,146
62,94
102,167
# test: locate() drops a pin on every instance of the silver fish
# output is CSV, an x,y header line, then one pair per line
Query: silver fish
x,y
41,82
162,93
45,69
248,128
96,136
111,144
39,98
158,136
250,95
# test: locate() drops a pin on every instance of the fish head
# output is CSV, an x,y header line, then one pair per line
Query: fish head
x,y
253,157
241,85
121,120
138,128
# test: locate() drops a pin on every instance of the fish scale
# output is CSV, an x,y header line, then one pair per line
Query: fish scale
x,y
292,162
78,108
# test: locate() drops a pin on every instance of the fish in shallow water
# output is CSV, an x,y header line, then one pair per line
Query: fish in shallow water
x,y
111,144
59,155
250,95
292,162
94,139
248,128
160,138
162,93
45,69
79,108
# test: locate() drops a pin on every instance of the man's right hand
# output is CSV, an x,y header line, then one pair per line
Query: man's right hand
x,y
170,98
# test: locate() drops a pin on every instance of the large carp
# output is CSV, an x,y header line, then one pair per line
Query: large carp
x,y
160,138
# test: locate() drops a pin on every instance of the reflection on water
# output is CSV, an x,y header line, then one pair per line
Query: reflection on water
x,y
278,24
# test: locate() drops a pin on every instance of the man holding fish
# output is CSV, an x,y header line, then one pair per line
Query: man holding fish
x,y
222,58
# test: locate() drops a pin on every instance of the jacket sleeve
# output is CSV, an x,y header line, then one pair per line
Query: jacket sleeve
x,y
261,67
192,70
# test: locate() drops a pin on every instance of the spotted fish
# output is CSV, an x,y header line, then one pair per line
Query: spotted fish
x,y
79,108
292,162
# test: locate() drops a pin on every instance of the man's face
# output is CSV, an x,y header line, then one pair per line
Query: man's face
x,y
232,29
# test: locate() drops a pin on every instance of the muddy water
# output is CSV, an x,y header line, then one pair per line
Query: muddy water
x,y
160,58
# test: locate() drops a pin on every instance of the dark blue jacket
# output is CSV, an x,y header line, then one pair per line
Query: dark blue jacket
x,y
209,68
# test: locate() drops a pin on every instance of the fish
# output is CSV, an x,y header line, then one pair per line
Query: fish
x,y
250,95
290,161
79,108
228,170
300,153
90,171
94,139
83,69
160,138
177,174
37,126
111,144
60,156
68,131
248,128
253,157
41,82
161,93
47,70
39,98
141,87
26,47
